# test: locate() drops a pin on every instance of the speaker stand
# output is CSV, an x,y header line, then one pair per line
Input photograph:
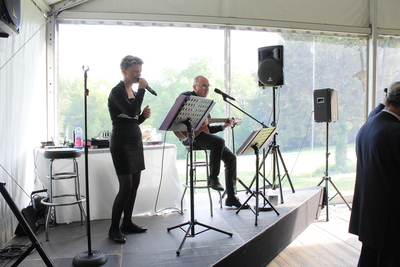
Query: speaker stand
x,y
328,179
274,150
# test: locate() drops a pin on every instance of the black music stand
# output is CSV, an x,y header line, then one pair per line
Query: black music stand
x,y
28,231
257,140
188,114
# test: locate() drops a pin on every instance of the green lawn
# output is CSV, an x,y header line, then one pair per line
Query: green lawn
x,y
304,169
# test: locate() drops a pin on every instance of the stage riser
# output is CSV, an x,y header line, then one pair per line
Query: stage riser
x,y
263,248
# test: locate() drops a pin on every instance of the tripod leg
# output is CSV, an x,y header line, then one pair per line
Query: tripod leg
x,y
286,171
261,165
266,180
269,203
257,210
244,203
338,192
241,182
213,228
327,198
178,252
177,226
276,164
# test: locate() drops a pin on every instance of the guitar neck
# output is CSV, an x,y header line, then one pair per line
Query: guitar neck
x,y
182,135
216,120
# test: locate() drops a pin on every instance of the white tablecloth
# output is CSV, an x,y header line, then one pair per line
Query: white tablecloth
x,y
158,190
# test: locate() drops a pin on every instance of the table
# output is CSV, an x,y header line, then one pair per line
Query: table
x,y
160,187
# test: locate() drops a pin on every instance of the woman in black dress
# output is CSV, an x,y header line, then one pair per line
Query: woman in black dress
x,y
126,146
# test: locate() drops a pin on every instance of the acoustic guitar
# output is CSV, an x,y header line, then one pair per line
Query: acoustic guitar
x,y
182,135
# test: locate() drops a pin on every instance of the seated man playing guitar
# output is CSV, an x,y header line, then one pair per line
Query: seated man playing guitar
x,y
205,139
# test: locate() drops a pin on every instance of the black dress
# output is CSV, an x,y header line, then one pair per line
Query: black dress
x,y
126,145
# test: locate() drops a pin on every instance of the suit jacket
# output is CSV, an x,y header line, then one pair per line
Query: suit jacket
x,y
375,215
376,110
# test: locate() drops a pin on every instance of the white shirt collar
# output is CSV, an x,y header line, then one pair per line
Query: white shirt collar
x,y
394,114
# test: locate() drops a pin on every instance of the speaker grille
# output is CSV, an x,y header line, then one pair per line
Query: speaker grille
x,y
270,72
270,65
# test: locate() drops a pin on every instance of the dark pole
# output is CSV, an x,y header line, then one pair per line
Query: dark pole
x,y
88,258
326,171
89,235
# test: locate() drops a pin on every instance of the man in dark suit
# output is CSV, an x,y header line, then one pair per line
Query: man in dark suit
x,y
375,215
218,151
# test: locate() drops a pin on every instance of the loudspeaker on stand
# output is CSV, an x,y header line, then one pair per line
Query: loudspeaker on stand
x,y
270,66
326,105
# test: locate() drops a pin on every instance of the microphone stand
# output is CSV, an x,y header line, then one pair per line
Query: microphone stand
x,y
90,257
263,126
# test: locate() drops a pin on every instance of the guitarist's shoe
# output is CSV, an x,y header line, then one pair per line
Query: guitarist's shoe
x,y
215,184
234,201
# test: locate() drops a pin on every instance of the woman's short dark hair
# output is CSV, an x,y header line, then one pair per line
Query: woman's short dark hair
x,y
129,60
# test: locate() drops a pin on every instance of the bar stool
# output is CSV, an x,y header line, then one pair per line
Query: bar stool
x,y
51,201
198,183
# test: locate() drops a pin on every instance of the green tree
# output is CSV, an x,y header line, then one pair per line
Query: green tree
x,y
71,97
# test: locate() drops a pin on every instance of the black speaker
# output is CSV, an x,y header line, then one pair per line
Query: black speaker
x,y
326,105
270,66
10,17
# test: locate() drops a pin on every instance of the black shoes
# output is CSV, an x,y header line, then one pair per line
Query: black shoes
x,y
117,237
234,201
133,229
215,184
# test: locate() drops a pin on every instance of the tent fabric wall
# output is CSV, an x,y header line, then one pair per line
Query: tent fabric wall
x,y
269,13
22,109
340,12
388,14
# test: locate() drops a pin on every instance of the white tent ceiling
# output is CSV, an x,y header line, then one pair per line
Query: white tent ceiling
x,y
356,16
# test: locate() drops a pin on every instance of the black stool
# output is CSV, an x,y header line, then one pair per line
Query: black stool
x,y
50,202
198,183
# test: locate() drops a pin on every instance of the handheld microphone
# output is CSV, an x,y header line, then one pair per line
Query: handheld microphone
x,y
148,88
223,94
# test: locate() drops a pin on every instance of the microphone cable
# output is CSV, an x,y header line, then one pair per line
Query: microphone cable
x,y
302,144
161,179
12,251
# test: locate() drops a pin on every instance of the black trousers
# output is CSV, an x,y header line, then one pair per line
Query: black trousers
x,y
370,257
219,152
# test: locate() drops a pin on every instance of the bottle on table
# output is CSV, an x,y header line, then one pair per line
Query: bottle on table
x,y
78,138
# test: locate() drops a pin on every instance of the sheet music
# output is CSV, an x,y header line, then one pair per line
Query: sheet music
x,y
194,107
261,137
